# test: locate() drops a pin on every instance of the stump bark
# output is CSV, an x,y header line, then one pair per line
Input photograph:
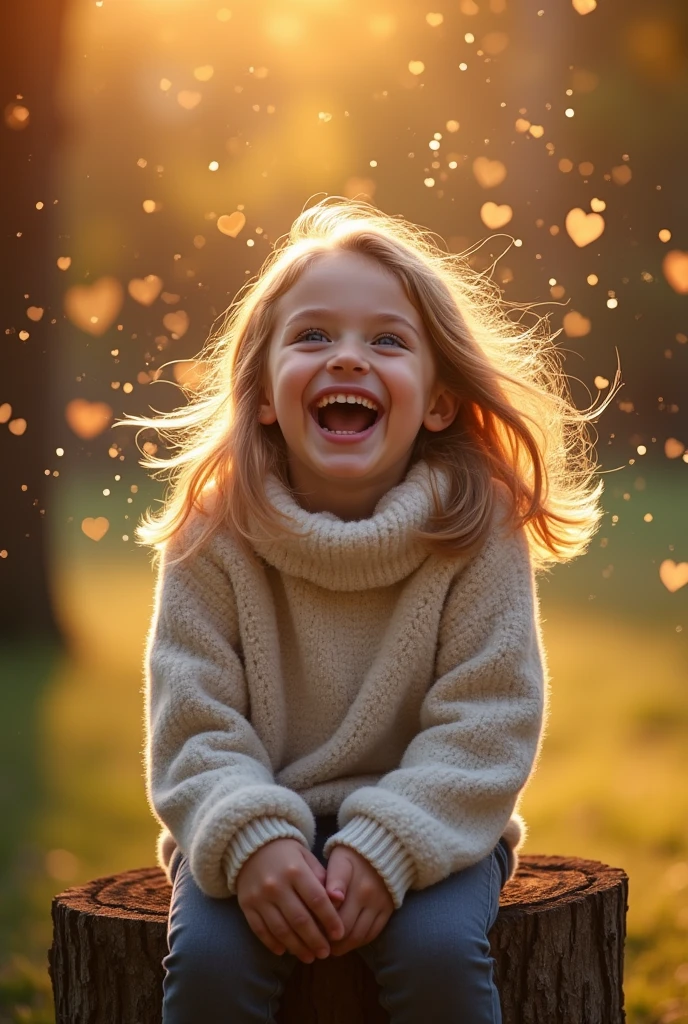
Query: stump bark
x,y
558,945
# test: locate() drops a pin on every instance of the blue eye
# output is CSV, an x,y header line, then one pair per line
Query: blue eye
x,y
316,330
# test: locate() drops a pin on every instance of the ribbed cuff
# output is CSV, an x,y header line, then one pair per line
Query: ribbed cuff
x,y
250,838
384,851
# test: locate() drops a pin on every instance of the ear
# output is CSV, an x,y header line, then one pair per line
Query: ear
x,y
442,410
266,408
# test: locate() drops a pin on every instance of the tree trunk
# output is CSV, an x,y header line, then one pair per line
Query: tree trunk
x,y
558,943
29,60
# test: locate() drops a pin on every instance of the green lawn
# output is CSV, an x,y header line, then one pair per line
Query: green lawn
x,y
611,781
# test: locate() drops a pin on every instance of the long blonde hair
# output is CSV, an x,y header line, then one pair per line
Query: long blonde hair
x,y
516,422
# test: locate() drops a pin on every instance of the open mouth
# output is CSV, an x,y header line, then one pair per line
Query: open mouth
x,y
346,418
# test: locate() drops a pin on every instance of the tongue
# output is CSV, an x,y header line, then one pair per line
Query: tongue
x,y
341,416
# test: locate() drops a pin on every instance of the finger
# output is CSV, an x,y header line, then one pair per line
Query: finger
x,y
284,934
319,905
261,931
317,868
339,874
358,936
301,920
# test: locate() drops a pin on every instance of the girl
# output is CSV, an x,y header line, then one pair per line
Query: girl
x,y
346,683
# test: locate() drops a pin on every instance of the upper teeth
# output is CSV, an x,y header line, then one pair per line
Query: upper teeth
x,y
351,399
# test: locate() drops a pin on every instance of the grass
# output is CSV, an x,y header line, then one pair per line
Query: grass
x,y
610,784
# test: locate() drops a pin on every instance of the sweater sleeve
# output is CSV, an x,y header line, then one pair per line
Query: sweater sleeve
x,y
209,777
451,798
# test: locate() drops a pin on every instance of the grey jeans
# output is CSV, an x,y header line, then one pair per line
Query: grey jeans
x,y
432,959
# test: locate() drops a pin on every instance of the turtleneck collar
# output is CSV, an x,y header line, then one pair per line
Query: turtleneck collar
x,y
359,554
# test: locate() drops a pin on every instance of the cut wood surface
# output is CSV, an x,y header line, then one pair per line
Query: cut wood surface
x,y
558,944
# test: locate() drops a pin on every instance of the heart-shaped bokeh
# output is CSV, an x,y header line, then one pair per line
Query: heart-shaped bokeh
x,y
673,575
673,448
675,267
231,224
488,173
145,289
176,323
87,419
494,216
584,228
576,325
94,307
95,529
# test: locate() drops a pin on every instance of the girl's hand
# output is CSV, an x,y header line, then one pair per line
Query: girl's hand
x,y
364,902
280,889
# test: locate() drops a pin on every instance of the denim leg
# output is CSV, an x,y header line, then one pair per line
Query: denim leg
x,y
217,971
432,959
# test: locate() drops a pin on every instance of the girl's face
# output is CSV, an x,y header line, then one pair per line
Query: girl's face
x,y
346,327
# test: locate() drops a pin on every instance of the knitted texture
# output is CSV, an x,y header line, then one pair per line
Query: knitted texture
x,y
344,672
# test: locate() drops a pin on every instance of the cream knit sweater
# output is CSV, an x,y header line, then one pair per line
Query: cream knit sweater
x,y
348,672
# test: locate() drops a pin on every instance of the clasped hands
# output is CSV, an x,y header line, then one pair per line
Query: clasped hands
x,y
292,902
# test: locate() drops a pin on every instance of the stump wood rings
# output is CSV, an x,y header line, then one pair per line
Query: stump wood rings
x,y
558,944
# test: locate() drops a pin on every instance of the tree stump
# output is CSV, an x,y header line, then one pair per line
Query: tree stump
x,y
558,944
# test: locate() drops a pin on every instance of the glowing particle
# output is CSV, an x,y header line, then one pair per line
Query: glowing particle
x,y
621,175
576,325
518,242
452,126
641,449
469,37
592,279
673,448
125,536
199,241
433,144
141,162
16,116
584,228
5,412
565,165
570,112
612,303
204,73
149,205
494,216
428,182
188,99
64,262
434,19
106,492
213,165
664,235
231,224
177,323
39,206
537,131
165,84
673,575
489,173
463,66
17,427
521,125
648,517
598,205
675,268
128,388
584,6
95,529
59,452
416,67
601,382
24,335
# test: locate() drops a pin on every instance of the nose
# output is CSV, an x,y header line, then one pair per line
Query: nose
x,y
348,356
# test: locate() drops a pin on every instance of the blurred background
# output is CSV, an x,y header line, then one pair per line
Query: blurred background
x,y
152,153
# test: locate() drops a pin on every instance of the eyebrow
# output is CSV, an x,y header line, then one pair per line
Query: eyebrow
x,y
374,318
